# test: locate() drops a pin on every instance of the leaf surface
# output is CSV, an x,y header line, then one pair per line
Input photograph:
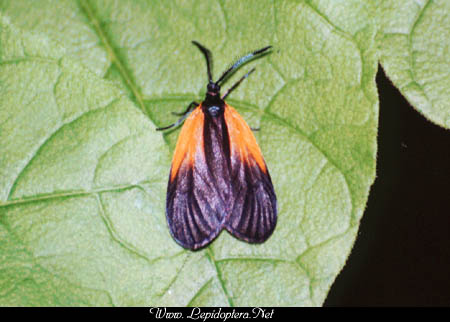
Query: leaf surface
x,y
415,53
82,200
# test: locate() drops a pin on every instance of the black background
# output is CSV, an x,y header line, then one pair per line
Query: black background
x,y
402,253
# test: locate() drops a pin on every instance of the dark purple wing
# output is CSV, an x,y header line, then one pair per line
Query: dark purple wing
x,y
219,180
253,214
199,185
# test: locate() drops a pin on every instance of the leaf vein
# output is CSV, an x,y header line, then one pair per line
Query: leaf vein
x,y
101,157
210,256
68,194
114,235
200,290
47,139
125,73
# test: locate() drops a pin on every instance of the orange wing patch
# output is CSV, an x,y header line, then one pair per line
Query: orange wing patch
x,y
242,141
188,141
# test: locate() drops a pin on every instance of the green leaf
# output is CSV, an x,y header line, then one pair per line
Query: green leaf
x,y
76,155
414,51
82,86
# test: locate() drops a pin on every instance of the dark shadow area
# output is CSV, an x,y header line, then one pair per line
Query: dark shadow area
x,y
402,253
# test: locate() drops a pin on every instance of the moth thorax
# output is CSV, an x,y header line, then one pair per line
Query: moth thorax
x,y
214,110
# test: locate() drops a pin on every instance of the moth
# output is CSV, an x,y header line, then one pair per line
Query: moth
x,y
219,179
